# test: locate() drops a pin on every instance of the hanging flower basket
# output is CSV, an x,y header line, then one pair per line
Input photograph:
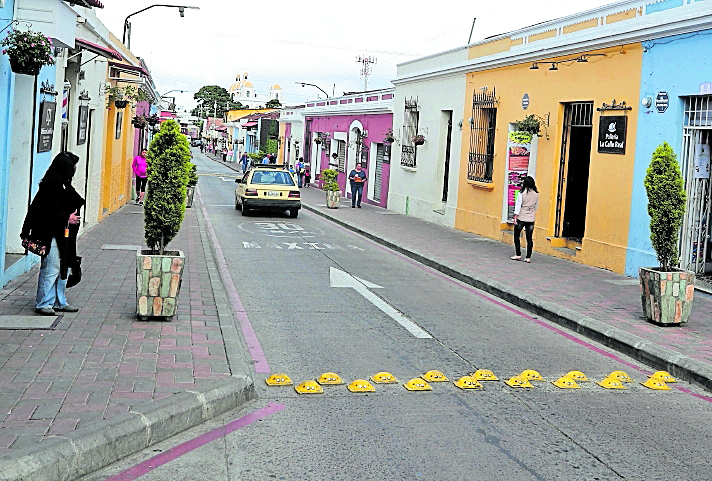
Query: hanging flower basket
x,y
317,141
139,122
389,137
120,104
28,51
152,120
418,139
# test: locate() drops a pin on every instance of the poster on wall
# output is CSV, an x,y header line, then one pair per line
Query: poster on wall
x,y
518,163
83,122
47,113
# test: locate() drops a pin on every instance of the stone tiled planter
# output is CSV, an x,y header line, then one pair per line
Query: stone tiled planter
x,y
158,280
333,199
189,193
667,296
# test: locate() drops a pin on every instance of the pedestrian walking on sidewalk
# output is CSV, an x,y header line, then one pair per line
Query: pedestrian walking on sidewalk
x,y
224,154
47,221
244,162
139,168
357,178
524,217
202,147
307,175
300,172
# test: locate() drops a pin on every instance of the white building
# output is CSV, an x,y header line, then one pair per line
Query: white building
x,y
428,101
244,92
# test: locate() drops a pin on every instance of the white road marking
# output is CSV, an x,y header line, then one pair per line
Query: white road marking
x,y
339,278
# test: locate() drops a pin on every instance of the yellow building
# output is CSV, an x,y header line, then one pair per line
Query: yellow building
x,y
583,162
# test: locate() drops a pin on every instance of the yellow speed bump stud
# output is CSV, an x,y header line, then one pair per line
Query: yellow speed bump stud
x,y
620,376
656,384
435,376
566,382
468,382
485,375
278,380
518,381
662,376
384,378
611,383
531,375
417,384
361,385
309,387
576,376
329,378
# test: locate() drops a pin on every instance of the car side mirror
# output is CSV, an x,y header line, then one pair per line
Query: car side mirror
x,y
238,181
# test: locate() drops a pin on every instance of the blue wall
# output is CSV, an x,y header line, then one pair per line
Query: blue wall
x,y
676,65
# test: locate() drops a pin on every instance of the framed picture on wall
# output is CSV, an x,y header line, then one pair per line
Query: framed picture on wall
x,y
119,123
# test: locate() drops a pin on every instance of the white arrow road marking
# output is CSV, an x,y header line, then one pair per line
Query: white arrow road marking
x,y
231,179
339,278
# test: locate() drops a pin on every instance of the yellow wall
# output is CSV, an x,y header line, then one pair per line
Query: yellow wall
x,y
282,143
233,115
610,176
116,172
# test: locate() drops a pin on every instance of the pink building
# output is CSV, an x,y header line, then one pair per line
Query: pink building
x,y
339,132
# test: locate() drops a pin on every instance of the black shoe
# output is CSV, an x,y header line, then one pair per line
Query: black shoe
x,y
45,311
67,308
359,206
353,206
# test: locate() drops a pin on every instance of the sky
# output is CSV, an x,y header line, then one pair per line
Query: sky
x,y
314,41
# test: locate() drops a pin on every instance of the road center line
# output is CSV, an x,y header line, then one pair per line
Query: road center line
x,y
195,443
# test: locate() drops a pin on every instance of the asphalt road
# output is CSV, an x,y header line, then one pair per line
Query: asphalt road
x,y
406,319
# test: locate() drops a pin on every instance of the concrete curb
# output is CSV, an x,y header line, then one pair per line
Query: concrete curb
x,y
102,443
650,353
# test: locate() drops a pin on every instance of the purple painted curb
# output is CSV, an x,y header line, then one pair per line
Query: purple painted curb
x,y
102,443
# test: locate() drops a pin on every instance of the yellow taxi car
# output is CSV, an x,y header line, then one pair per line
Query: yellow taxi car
x,y
268,187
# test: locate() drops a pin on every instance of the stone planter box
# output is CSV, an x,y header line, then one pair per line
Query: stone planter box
x,y
666,296
333,199
158,280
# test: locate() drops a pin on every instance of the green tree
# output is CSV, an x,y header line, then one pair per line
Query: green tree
x,y
666,204
207,98
167,159
273,104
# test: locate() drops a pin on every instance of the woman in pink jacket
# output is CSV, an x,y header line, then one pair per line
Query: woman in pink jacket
x,y
139,168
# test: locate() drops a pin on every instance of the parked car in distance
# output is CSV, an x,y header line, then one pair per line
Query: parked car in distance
x,y
268,187
195,142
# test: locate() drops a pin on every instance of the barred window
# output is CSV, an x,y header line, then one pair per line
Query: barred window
x,y
342,156
410,129
482,131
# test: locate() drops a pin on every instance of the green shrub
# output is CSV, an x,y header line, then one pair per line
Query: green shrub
x,y
666,205
257,157
167,159
329,177
192,173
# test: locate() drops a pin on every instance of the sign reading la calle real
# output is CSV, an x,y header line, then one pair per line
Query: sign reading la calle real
x,y
612,134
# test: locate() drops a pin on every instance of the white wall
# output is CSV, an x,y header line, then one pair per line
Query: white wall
x,y
418,191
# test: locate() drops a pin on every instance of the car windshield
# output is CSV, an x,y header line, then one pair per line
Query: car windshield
x,y
273,178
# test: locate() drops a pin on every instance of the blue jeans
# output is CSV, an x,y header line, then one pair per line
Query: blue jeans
x,y
50,288
356,189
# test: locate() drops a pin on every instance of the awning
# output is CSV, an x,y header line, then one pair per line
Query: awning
x,y
129,68
248,124
87,3
221,128
97,49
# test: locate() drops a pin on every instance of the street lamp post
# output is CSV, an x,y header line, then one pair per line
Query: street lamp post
x,y
305,83
127,25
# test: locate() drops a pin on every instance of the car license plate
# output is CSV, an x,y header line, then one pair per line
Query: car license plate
x,y
273,193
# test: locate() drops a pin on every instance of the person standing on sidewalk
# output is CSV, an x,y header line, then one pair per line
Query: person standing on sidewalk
x,y
139,168
224,154
300,172
524,217
243,160
357,178
47,221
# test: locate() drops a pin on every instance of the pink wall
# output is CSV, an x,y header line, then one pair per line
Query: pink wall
x,y
377,125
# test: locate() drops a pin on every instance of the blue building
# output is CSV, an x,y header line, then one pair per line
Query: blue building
x,y
676,107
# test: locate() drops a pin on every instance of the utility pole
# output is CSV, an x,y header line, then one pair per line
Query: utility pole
x,y
366,62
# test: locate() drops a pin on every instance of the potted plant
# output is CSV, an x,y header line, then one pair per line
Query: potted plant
x,y
317,140
192,172
158,271
666,291
139,122
331,187
153,120
28,51
418,139
389,136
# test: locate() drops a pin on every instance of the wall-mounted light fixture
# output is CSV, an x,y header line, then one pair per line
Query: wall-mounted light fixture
x,y
553,66
534,66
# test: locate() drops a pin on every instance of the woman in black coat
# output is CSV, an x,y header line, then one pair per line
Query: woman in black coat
x,y
52,211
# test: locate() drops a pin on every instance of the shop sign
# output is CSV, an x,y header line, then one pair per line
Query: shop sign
x,y
525,101
662,101
611,134
83,123
47,113
706,88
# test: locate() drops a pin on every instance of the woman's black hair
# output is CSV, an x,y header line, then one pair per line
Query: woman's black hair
x,y
62,168
528,183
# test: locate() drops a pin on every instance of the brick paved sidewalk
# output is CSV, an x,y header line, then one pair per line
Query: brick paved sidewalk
x,y
101,361
589,292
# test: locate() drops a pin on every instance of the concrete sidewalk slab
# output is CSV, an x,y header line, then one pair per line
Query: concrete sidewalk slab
x,y
102,382
594,302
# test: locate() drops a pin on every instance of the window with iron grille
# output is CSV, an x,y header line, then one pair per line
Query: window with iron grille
x,y
410,129
482,131
342,156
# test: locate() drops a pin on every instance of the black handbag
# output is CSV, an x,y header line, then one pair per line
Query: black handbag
x,y
34,246
75,272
